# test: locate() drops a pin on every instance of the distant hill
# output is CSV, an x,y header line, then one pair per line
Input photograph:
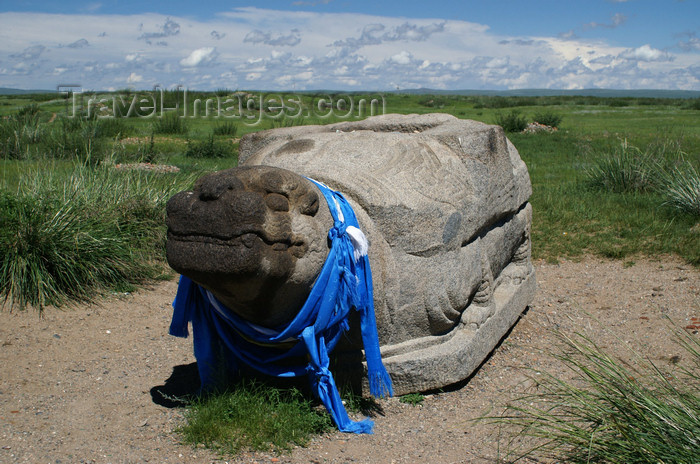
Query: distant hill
x,y
614,93
7,91
603,93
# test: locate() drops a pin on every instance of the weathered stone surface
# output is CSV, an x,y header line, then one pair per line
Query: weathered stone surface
x,y
254,236
444,203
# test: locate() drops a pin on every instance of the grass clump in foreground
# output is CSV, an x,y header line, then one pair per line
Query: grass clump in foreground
x,y
253,416
681,187
611,413
66,236
663,169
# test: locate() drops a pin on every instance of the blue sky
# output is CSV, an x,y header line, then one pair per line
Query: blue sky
x,y
351,45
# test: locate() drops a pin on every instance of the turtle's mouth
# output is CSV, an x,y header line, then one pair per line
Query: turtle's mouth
x,y
248,240
252,241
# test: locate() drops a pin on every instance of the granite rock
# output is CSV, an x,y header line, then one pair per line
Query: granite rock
x,y
443,201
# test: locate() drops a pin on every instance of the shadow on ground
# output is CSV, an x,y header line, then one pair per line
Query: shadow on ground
x,y
182,385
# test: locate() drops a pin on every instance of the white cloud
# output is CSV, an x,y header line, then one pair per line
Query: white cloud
x,y
133,57
269,49
645,53
167,29
693,43
401,58
268,38
134,78
374,34
198,57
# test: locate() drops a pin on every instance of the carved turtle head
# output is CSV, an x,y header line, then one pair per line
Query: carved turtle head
x,y
256,237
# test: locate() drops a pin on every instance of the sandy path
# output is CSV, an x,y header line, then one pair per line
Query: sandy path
x,y
81,385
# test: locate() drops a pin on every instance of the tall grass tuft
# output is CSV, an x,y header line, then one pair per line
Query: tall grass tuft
x,y
252,416
19,131
170,123
67,237
611,413
661,168
681,187
512,121
209,148
627,169
226,128
73,138
52,253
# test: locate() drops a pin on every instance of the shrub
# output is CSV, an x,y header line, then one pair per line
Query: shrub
x,y
227,128
619,102
73,138
548,118
67,237
53,252
628,169
170,123
661,167
681,187
112,127
692,104
613,413
223,92
19,131
210,148
511,122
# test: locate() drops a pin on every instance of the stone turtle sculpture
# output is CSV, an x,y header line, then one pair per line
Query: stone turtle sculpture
x,y
443,202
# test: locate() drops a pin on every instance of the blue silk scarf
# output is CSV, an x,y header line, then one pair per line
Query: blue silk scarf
x,y
222,339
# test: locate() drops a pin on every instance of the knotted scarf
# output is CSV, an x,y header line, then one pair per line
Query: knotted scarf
x,y
344,283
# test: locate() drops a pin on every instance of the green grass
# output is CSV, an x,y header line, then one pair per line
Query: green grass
x,y
67,236
228,128
570,218
414,399
680,186
611,413
548,118
512,121
210,148
170,123
617,218
255,417
72,227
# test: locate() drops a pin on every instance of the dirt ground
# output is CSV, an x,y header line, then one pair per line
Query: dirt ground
x,y
85,385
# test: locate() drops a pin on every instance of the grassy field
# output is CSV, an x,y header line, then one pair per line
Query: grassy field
x,y
618,178
574,212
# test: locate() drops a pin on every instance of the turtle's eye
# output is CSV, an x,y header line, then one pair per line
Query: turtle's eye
x,y
308,204
277,202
